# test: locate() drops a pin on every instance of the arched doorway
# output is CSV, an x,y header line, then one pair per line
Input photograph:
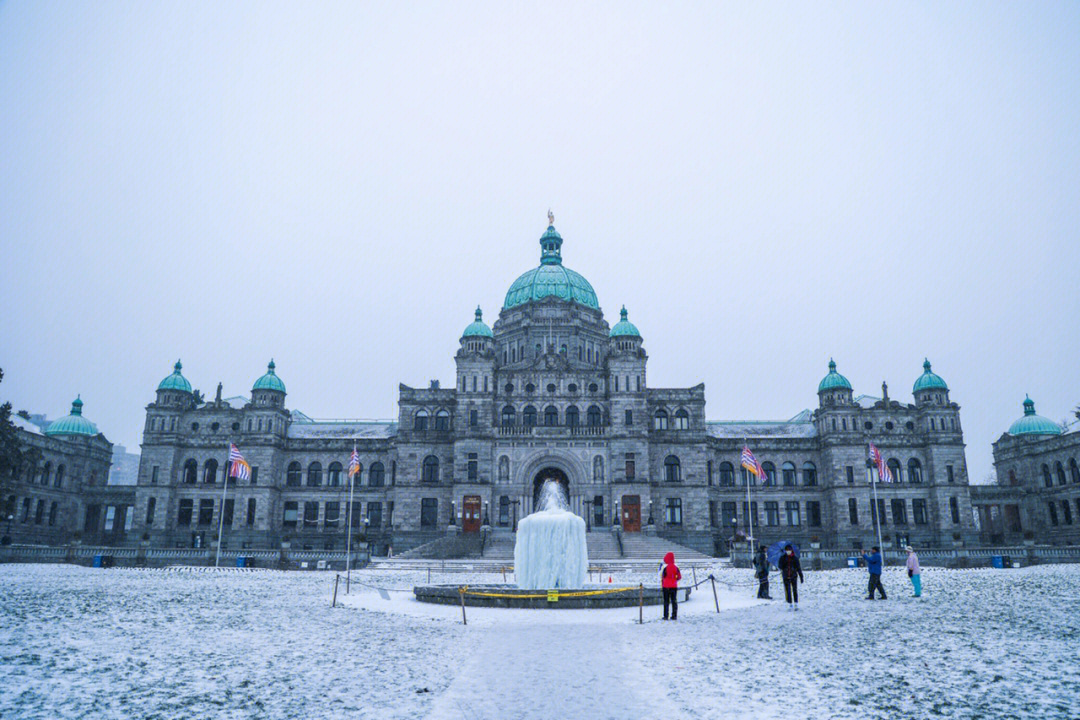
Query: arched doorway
x,y
549,473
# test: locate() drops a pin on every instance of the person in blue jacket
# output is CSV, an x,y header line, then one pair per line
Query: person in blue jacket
x,y
873,564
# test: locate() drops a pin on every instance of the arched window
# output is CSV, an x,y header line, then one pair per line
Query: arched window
x,y
672,469
914,470
442,420
191,472
504,469
770,473
727,473
809,473
682,419
528,416
420,420
314,474
573,418
551,416
376,475
1012,477
52,514
431,469
46,473
660,420
897,470
788,469
508,416
59,481
333,474
210,471
598,469
1074,470
1047,480
292,475
593,417
1060,473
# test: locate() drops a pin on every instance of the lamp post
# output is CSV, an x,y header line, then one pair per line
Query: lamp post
x,y
615,519
588,513
734,535
7,533
650,520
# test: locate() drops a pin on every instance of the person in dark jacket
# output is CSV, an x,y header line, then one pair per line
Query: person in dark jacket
x,y
761,572
791,572
669,584
873,564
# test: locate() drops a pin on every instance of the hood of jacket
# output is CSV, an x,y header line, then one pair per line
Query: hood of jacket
x,y
669,559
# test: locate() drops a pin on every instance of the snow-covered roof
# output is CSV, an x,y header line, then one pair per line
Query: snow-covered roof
x,y
867,401
351,429
799,426
237,402
25,425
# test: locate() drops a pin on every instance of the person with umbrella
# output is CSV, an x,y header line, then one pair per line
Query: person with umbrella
x,y
791,572
761,572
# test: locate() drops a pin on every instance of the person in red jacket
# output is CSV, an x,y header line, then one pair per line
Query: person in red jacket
x,y
669,584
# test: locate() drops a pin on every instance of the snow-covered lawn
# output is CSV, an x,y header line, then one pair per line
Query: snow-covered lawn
x,y
77,642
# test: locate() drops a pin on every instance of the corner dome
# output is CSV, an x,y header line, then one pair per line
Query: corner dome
x,y
929,380
834,380
73,424
477,328
1032,424
269,381
176,381
552,278
624,328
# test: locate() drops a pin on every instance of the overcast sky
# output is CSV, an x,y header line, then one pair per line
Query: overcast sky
x,y
764,186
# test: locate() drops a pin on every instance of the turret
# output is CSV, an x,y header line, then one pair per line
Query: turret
x,y
269,390
834,388
930,389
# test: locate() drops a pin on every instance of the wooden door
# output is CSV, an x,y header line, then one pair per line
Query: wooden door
x,y
631,513
470,513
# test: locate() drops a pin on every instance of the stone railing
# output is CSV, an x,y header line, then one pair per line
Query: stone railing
x,y
283,559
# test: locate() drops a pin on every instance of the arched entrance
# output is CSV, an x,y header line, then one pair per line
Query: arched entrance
x,y
549,473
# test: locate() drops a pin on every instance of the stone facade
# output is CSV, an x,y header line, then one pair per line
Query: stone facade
x,y
550,391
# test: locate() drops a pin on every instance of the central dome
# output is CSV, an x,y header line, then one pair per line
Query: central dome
x,y
552,278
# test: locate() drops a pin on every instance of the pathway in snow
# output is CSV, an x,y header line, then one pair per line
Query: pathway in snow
x,y
548,671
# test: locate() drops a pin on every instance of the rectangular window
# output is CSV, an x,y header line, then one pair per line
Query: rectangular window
x,y
629,418
850,475
708,472
353,512
1053,513
154,475
39,515
311,514
791,508
631,469
110,516
251,512
230,504
429,512
954,510
290,512
332,514
254,474
712,513
899,512
598,510
813,513
616,383
374,514
183,517
918,511
750,515
473,467
504,511
949,473
772,513
129,518
673,514
878,515
206,511
1066,512
727,513
151,506
474,418
389,513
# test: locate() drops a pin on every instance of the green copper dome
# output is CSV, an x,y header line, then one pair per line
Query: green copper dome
x,y
477,328
929,380
269,381
73,424
1032,424
834,380
176,381
551,278
624,328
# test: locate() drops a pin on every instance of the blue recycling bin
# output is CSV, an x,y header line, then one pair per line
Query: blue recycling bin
x,y
98,560
241,561
853,562
997,561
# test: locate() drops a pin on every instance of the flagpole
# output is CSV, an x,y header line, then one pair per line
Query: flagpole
x,y
348,532
749,512
221,519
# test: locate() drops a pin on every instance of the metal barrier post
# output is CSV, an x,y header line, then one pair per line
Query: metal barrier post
x,y
336,578
641,604
715,599
461,593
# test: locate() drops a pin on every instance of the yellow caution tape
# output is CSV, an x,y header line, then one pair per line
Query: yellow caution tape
x,y
547,595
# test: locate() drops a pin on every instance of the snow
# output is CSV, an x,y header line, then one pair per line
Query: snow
x,y
121,643
349,429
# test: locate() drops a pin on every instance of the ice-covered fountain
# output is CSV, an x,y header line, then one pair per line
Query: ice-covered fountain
x,y
550,550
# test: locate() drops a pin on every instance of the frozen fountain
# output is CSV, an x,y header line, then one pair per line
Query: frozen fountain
x,y
550,551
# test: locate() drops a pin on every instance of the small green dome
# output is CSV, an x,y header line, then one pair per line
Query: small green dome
x,y
834,380
1032,424
624,328
176,381
551,278
929,380
477,328
73,424
269,381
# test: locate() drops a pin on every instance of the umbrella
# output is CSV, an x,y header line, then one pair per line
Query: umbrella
x,y
777,549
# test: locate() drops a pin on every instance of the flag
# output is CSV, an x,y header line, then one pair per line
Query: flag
x,y
884,473
354,463
751,463
238,467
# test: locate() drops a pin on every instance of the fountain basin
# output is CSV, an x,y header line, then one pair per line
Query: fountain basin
x,y
510,596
